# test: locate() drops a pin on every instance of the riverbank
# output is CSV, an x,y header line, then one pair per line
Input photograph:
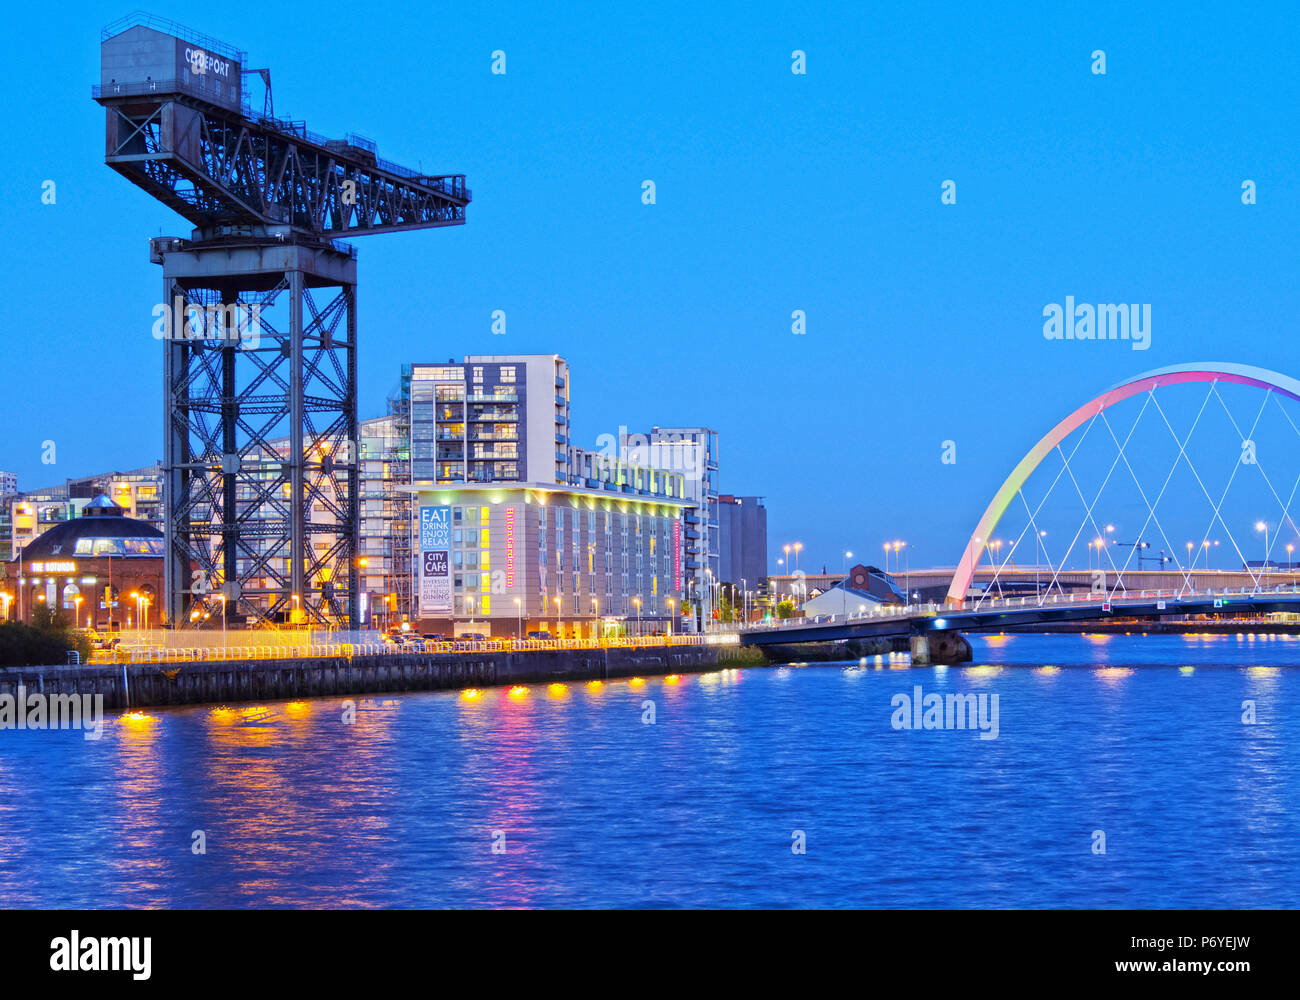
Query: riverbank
x,y
225,681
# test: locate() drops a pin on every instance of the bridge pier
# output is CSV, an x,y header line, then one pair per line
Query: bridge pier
x,y
939,647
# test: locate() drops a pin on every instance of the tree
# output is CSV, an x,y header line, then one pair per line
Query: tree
x,y
785,609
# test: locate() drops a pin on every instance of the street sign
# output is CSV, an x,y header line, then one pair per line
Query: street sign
x,y
1106,607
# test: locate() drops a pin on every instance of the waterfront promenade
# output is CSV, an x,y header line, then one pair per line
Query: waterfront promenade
x,y
191,676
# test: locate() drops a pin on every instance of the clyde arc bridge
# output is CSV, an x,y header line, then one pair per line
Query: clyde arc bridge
x,y
1176,466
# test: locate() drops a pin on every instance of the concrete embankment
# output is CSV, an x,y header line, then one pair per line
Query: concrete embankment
x,y
140,684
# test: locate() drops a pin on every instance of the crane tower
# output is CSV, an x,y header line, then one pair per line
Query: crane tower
x,y
258,321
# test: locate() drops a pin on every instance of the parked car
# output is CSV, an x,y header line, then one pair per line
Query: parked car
x,y
540,635
434,637
471,637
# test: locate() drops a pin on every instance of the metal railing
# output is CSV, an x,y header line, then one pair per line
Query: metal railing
x,y
223,654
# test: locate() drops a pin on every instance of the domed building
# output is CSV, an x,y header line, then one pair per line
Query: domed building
x,y
103,569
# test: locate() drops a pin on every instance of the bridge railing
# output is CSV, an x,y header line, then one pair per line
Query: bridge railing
x,y
896,611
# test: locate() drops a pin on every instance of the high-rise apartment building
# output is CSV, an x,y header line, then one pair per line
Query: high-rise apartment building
x,y
490,419
691,452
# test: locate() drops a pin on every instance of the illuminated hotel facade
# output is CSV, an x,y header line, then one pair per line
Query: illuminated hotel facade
x,y
509,558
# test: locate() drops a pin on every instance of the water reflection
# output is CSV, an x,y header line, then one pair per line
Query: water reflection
x,y
399,800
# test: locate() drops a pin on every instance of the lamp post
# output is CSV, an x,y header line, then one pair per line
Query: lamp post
x,y
1289,549
223,621
844,593
1039,541
670,617
1263,526
77,600
519,614
637,602
136,597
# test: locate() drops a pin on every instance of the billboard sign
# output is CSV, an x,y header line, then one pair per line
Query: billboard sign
x,y
435,561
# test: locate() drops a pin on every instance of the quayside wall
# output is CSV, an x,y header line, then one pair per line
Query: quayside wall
x,y
216,681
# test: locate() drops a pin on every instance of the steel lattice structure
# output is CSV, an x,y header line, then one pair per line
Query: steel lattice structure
x,y
258,322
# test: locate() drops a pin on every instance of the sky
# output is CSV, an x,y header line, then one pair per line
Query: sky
x,y
775,192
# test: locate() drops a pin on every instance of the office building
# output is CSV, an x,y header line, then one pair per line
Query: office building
x,y
742,541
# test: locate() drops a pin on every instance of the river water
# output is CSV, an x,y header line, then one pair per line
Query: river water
x,y
575,796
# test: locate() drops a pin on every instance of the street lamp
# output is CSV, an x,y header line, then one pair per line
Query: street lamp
x,y
1263,526
136,597
223,620
670,616
637,602
1038,541
557,617
77,600
519,613
798,546
844,593
1289,549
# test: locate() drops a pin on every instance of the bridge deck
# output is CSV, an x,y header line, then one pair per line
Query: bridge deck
x,y
986,615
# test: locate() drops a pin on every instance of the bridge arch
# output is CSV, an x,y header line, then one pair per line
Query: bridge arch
x,y
1175,374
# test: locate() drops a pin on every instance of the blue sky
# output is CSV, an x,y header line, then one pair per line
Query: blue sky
x,y
775,192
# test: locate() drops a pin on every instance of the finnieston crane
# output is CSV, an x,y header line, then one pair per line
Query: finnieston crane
x,y
258,320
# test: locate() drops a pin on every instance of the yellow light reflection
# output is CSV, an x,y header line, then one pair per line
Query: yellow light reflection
x,y
469,694
595,685
1186,670
557,690
1047,671
137,720
519,691
636,682
672,679
1110,674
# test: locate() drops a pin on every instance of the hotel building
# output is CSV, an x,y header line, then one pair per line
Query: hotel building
x,y
518,530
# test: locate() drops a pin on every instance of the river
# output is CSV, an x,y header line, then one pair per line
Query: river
x,y
777,787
